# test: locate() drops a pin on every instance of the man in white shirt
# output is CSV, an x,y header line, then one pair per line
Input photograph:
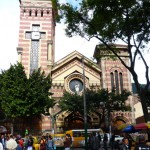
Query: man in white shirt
x,y
1,146
11,144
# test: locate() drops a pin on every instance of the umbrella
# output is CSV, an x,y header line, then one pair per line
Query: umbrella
x,y
142,126
122,126
3,129
129,129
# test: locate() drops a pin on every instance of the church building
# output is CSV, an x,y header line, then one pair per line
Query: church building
x,y
36,48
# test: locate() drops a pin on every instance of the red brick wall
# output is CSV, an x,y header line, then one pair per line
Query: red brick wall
x,y
111,66
47,25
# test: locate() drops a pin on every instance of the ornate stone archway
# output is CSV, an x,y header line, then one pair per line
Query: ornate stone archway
x,y
75,120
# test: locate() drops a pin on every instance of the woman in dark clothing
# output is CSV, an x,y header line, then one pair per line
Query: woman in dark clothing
x,y
67,142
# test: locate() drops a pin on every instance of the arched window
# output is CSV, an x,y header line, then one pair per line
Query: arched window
x,y
117,82
121,81
112,81
36,12
30,12
42,13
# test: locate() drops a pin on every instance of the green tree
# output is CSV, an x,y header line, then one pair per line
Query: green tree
x,y
110,21
23,97
102,99
71,102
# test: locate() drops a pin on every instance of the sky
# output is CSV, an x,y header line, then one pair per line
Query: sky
x,y
9,30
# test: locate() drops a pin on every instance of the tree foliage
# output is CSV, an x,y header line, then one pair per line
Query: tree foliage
x,y
74,102
21,96
110,21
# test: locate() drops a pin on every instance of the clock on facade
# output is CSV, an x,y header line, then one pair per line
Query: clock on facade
x,y
76,85
35,35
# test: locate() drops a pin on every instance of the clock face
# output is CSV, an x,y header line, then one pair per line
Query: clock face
x,y
35,35
76,85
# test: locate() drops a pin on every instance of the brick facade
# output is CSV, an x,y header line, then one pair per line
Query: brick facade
x,y
40,13
37,13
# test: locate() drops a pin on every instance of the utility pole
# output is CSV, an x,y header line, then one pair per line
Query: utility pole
x,y
84,100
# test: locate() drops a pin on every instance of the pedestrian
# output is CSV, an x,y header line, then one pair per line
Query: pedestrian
x,y
94,142
30,143
11,144
50,143
1,146
36,143
105,140
89,140
128,136
19,147
42,143
67,142
25,142
99,137
112,141
142,144
125,144
3,141
116,145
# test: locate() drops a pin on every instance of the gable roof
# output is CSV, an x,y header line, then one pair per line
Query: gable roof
x,y
75,55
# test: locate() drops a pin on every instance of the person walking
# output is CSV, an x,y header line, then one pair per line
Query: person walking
x,y
142,144
112,141
50,143
125,144
3,141
30,143
43,143
67,142
105,140
19,147
1,146
11,144
94,142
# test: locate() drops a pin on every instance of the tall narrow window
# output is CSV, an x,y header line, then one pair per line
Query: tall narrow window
x,y
30,13
116,80
35,35
112,81
34,56
121,82
42,13
36,12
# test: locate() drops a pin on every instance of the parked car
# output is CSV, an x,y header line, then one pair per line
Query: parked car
x,y
118,138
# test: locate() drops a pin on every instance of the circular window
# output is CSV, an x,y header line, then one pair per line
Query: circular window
x,y
76,85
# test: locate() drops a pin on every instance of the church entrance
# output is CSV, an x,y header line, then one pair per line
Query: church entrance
x,y
75,121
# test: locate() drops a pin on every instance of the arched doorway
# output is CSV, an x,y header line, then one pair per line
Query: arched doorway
x,y
119,121
76,121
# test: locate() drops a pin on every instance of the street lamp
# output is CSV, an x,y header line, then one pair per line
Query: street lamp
x,y
84,100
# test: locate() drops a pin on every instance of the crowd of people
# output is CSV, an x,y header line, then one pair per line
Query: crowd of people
x,y
10,142
95,142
